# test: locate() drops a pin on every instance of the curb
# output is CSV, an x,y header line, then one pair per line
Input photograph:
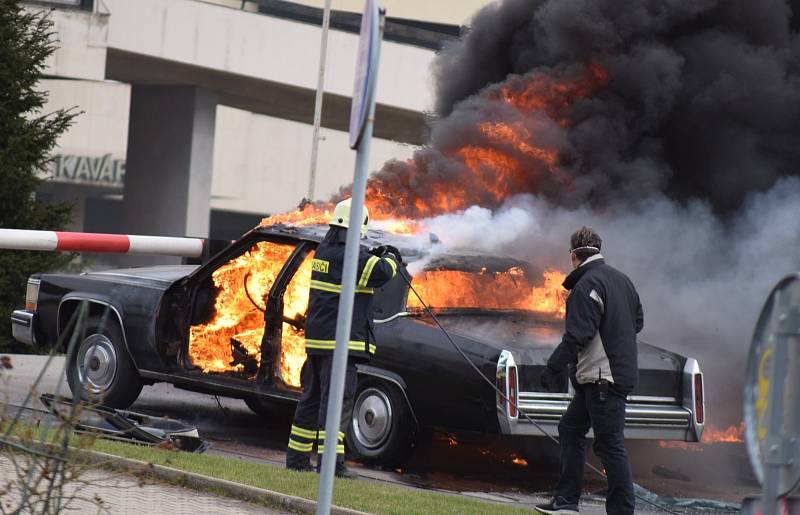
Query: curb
x,y
200,482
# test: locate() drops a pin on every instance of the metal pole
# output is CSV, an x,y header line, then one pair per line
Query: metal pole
x,y
345,316
323,53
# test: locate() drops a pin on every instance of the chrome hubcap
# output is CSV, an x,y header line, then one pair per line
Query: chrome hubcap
x,y
372,418
97,363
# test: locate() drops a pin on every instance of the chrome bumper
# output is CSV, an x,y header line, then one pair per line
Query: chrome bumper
x,y
646,418
22,326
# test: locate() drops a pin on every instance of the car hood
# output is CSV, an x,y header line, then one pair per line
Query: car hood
x,y
162,274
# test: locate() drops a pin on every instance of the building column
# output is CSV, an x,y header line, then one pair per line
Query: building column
x,y
169,161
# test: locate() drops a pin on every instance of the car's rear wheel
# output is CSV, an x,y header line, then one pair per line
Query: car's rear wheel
x,y
380,430
100,370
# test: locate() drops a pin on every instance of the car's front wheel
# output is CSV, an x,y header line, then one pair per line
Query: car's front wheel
x,y
381,427
100,370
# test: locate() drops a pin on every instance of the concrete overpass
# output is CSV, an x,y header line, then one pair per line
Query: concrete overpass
x,y
182,58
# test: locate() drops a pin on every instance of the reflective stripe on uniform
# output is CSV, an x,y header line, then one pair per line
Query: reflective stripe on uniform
x,y
339,449
393,265
336,288
321,435
299,446
367,272
331,344
303,433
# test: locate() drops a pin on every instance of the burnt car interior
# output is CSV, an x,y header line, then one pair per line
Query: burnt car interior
x,y
248,313
478,284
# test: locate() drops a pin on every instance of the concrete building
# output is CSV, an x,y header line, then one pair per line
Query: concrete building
x,y
196,115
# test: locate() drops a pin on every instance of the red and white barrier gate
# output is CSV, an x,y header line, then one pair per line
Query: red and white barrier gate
x,y
20,239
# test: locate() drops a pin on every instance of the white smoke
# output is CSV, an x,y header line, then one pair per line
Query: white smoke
x,y
701,280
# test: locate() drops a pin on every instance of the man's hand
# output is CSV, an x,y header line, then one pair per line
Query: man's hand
x,y
549,379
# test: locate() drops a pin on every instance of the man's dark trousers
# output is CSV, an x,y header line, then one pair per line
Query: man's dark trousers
x,y
312,409
602,409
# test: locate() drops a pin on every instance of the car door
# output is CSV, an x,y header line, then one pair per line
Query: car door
x,y
232,316
286,311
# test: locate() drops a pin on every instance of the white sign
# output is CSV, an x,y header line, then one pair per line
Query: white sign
x,y
366,70
97,171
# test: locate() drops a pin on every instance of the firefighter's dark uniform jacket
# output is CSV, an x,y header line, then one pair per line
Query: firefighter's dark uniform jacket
x,y
603,317
326,285
323,308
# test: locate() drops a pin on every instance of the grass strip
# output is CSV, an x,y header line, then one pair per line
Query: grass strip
x,y
363,495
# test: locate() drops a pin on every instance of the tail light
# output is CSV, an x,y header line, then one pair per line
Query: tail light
x,y
512,391
32,294
507,385
699,404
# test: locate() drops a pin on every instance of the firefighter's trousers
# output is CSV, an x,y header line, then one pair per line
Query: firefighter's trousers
x,y
309,417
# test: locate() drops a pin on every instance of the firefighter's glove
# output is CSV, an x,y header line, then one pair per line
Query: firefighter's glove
x,y
378,251
395,253
549,379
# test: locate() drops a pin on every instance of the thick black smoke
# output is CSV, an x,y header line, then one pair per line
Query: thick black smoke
x,y
685,159
703,97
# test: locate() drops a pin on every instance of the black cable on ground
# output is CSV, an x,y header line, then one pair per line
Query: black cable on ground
x,y
223,409
505,398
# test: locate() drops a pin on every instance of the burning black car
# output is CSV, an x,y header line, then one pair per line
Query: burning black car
x,y
234,327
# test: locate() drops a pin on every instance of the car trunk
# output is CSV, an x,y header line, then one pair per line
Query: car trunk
x,y
532,338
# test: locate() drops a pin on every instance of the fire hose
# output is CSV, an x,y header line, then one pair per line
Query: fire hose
x,y
505,398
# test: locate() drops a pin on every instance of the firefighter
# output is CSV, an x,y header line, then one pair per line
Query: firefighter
x,y
375,268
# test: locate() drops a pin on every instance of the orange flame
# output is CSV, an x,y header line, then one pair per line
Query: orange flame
x,y
511,289
522,462
734,433
711,435
238,317
544,92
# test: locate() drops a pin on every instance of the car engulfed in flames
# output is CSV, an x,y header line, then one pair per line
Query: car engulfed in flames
x,y
234,326
233,336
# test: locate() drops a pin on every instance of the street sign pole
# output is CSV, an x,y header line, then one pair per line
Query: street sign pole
x,y
361,120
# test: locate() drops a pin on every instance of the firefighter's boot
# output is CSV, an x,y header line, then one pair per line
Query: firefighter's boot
x,y
344,472
298,461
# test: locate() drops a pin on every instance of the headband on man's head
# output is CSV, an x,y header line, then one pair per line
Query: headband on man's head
x,y
584,248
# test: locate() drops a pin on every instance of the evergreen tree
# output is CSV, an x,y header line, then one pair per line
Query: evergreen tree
x,y
27,136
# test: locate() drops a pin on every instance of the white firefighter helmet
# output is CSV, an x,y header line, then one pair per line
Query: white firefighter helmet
x,y
341,216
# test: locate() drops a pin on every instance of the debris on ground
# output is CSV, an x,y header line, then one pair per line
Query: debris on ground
x,y
126,425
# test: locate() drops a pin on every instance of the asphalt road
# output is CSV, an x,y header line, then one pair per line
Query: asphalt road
x,y
502,470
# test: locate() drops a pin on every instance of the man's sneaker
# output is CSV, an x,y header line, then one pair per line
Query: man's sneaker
x,y
558,506
345,473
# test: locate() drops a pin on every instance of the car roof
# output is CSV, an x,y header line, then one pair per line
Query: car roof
x,y
413,249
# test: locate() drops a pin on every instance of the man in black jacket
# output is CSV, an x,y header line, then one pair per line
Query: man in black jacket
x,y
599,349
320,332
